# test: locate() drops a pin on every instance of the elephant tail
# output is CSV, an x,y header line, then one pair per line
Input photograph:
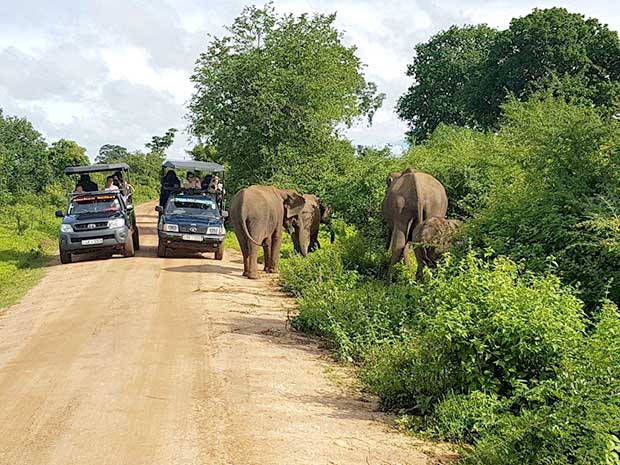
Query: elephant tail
x,y
247,233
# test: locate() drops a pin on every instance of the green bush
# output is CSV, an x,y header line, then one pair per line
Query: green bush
x,y
574,419
298,274
465,417
357,319
564,202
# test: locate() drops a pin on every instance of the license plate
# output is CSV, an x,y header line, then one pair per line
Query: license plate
x,y
97,241
192,237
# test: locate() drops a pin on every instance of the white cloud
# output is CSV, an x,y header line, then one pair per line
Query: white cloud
x,y
117,71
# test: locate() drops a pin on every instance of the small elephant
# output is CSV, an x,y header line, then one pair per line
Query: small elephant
x,y
411,198
258,215
305,233
431,239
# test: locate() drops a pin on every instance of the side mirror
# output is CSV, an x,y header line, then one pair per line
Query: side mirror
x,y
129,207
59,214
159,209
224,214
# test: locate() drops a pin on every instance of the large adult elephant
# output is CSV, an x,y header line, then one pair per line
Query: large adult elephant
x,y
305,233
411,197
257,214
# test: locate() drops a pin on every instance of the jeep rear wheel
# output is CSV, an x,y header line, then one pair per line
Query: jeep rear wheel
x,y
161,249
219,253
65,257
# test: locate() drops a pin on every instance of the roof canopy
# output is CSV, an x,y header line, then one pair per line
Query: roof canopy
x,y
96,168
193,165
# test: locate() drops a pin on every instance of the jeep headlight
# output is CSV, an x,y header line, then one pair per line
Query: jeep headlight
x,y
116,223
215,230
171,227
66,228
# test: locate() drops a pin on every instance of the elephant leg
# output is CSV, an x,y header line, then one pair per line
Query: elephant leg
x,y
267,254
253,261
276,243
398,242
246,265
420,257
314,243
406,257
243,245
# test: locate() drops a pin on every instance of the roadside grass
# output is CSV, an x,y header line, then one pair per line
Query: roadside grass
x,y
23,256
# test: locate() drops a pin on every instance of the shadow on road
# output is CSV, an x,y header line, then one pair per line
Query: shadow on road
x,y
203,268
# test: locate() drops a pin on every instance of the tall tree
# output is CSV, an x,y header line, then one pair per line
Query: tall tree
x,y
443,70
111,153
160,144
25,157
550,50
273,91
463,75
65,153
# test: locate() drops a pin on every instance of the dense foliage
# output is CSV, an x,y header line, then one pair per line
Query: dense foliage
x,y
482,352
511,344
463,75
271,95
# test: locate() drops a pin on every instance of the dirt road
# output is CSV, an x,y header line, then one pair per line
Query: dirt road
x,y
174,361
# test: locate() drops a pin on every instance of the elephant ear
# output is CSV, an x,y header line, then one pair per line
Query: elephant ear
x,y
293,205
392,177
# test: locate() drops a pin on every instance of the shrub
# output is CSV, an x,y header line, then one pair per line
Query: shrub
x,y
564,201
574,419
479,326
298,274
465,417
357,319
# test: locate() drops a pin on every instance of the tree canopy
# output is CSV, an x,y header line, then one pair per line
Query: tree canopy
x,y
24,155
443,69
273,92
464,75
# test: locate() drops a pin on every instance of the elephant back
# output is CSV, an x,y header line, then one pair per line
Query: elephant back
x,y
431,195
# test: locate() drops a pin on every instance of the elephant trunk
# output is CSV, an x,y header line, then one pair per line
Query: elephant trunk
x,y
301,240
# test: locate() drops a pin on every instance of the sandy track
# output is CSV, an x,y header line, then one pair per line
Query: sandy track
x,y
174,361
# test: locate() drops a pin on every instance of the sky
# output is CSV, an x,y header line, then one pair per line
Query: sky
x,y
118,71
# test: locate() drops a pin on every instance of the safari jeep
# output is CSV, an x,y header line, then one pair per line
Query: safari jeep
x,y
191,219
97,221
191,222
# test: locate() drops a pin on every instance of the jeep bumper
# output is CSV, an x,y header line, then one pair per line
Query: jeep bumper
x,y
89,241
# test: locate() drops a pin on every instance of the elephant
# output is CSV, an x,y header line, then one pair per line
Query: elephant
x,y
306,234
431,239
410,198
257,214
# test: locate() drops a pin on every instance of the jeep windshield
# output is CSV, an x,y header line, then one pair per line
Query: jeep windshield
x,y
192,206
94,204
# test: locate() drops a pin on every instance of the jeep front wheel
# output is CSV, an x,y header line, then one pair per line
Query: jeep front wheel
x,y
65,257
219,253
161,249
129,250
136,238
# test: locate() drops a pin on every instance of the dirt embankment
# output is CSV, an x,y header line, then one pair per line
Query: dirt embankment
x,y
175,361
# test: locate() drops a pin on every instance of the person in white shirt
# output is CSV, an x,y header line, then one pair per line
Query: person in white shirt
x,y
192,182
109,184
